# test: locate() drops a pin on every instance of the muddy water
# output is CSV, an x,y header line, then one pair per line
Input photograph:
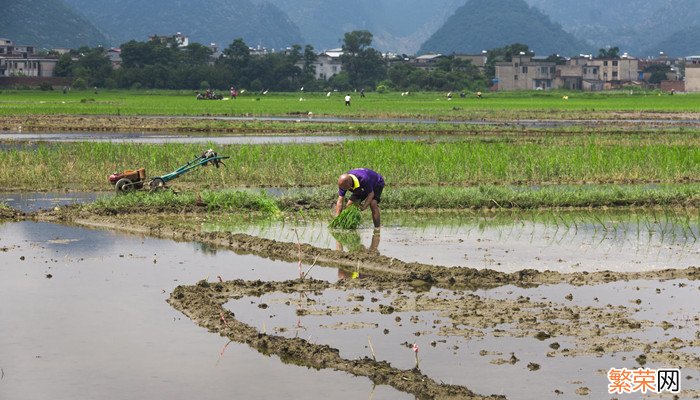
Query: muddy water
x,y
84,316
159,138
496,358
562,241
28,202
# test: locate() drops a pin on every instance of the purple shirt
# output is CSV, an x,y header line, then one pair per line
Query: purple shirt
x,y
368,181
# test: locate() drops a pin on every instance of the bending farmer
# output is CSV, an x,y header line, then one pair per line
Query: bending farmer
x,y
366,186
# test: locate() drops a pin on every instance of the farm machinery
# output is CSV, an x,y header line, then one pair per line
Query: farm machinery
x,y
130,180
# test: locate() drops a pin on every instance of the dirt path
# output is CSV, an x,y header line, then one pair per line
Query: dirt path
x,y
224,124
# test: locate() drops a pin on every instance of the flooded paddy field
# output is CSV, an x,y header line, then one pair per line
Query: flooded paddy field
x,y
29,201
525,337
84,316
87,309
508,241
18,138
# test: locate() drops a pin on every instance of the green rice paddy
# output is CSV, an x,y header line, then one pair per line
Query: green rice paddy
x,y
418,105
584,159
574,165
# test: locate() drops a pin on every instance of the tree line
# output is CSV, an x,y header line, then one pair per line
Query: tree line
x,y
164,65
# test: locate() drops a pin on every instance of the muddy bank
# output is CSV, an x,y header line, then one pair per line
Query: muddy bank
x,y
615,122
203,304
364,262
10,214
598,331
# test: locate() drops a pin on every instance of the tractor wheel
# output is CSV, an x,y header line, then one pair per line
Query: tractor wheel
x,y
157,184
124,185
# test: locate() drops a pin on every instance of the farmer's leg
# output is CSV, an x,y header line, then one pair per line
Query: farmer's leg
x,y
374,206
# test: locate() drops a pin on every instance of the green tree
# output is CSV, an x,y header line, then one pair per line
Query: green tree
x,y
400,75
195,54
308,71
92,66
658,72
64,66
237,59
610,52
237,54
364,65
139,54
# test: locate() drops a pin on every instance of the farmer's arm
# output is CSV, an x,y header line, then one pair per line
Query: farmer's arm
x,y
339,205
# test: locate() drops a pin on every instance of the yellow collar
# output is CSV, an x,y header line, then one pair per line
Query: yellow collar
x,y
355,182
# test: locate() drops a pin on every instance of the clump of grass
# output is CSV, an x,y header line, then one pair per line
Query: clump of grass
x,y
213,201
349,218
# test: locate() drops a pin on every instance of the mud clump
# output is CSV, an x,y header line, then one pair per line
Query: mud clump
x,y
10,214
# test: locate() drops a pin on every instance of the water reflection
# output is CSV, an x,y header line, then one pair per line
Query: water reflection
x,y
350,240
84,315
509,241
33,201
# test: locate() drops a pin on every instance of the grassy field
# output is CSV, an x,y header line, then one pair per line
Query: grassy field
x,y
478,166
425,198
415,105
546,160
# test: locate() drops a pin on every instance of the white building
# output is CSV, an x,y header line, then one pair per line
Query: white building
x,y
327,63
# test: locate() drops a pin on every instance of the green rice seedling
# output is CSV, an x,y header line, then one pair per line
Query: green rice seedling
x,y
349,218
227,200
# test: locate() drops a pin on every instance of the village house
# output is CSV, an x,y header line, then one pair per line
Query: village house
x,y
525,72
22,61
692,74
327,63
426,61
478,60
429,61
115,57
178,38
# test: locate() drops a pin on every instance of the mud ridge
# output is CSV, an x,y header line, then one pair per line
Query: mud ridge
x,y
379,266
203,303
597,330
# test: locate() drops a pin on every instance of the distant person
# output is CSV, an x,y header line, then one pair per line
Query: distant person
x,y
362,92
65,89
233,92
449,95
347,100
366,187
478,95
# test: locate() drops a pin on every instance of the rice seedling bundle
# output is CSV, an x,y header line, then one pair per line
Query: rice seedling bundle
x,y
349,218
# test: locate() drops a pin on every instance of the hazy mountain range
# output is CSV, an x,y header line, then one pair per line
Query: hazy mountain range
x,y
486,24
46,23
404,26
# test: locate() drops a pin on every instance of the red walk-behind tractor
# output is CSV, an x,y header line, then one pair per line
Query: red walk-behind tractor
x,y
130,180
